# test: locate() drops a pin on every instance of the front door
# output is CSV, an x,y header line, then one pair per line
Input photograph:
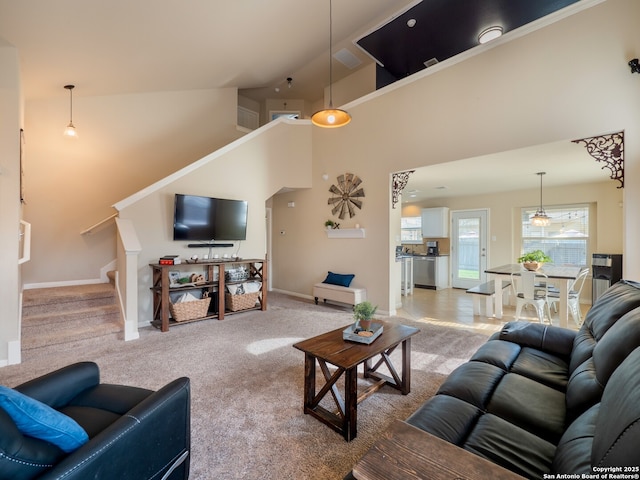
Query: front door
x,y
468,248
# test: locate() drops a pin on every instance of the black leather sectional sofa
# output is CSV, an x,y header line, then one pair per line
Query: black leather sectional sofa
x,y
539,399
133,433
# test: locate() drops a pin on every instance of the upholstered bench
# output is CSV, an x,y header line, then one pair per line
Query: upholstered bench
x,y
337,287
338,293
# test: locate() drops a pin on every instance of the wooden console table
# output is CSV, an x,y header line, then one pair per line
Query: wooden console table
x,y
406,452
161,287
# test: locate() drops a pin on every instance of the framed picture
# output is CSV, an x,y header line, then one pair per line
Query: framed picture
x,y
174,276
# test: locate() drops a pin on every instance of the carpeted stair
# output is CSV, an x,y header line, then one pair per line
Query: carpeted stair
x,y
61,315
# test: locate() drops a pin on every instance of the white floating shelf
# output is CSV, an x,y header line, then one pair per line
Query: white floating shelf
x,y
345,233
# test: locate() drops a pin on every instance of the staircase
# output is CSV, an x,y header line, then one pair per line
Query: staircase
x,y
64,315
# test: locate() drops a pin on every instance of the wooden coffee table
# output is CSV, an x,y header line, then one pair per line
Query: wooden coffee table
x,y
330,348
405,452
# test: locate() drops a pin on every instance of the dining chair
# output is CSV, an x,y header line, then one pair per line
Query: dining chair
x,y
528,292
575,288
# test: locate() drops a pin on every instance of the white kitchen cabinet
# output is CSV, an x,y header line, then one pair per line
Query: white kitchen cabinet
x,y
435,222
442,272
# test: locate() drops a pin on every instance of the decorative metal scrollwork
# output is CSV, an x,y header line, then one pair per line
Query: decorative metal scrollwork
x,y
347,195
398,182
608,149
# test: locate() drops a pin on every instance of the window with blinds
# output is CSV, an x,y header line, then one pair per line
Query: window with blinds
x,y
411,230
565,239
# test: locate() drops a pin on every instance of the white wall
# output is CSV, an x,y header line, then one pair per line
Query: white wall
x,y
356,85
125,143
10,209
253,168
567,80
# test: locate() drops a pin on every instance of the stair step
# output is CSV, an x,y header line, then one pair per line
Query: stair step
x,y
66,336
81,316
68,315
42,301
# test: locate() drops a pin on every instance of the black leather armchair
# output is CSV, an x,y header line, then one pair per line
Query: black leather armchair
x,y
134,433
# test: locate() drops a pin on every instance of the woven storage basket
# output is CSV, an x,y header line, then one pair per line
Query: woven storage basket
x,y
241,302
184,311
236,275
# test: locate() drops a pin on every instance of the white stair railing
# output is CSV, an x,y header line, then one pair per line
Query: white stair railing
x,y
93,227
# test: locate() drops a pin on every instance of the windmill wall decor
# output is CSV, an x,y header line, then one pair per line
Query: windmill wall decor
x,y
346,195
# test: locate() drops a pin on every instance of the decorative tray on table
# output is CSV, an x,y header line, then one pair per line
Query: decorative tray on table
x,y
361,336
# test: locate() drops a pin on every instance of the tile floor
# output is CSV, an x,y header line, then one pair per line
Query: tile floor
x,y
454,306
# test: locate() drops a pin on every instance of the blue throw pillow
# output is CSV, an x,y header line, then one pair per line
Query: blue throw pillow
x,y
38,420
344,280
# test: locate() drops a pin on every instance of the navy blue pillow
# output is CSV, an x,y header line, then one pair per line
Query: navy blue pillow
x,y
38,420
344,280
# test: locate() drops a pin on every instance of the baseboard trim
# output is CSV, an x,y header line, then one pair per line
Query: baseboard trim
x,y
68,283
310,297
112,265
293,294
14,351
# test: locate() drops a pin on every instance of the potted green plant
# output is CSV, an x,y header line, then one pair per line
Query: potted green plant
x,y
329,224
534,260
363,313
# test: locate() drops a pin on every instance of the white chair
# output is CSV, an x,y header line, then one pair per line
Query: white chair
x,y
553,296
529,293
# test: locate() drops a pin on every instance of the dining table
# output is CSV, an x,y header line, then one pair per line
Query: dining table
x,y
560,275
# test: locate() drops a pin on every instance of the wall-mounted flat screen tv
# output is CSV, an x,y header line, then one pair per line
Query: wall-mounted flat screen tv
x,y
209,219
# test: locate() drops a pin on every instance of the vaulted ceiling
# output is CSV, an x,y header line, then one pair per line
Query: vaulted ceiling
x,y
124,46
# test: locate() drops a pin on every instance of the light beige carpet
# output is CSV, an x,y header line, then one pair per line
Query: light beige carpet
x,y
247,386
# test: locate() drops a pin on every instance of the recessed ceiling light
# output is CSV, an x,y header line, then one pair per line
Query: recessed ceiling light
x,y
411,22
489,34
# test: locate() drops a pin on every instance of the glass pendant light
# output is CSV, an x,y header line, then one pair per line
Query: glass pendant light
x,y
70,130
540,219
330,117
